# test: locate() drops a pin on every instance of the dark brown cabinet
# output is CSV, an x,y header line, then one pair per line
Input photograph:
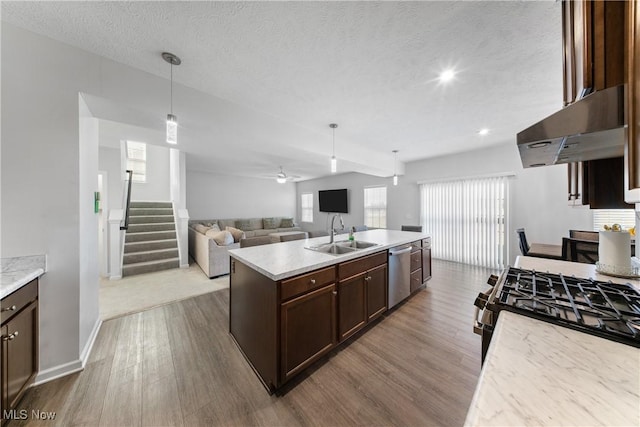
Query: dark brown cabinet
x,y
362,293
308,329
632,152
415,277
598,183
426,259
19,351
594,59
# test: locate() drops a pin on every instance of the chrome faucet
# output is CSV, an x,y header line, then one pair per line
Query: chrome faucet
x,y
333,230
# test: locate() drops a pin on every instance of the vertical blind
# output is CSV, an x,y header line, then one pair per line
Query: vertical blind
x,y
467,220
375,207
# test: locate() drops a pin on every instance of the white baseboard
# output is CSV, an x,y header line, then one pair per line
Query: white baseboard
x,y
115,277
71,367
86,351
184,265
58,372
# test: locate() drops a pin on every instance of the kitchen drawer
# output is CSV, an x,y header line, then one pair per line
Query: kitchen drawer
x,y
416,260
426,243
417,244
13,303
416,280
307,282
360,265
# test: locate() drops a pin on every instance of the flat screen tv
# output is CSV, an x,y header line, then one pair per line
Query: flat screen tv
x,y
333,201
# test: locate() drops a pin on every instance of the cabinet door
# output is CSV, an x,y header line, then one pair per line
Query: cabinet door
x,y
632,152
21,353
352,310
377,288
308,329
578,183
426,264
3,372
577,35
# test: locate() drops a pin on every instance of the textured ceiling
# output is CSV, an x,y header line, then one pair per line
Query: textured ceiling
x,y
371,67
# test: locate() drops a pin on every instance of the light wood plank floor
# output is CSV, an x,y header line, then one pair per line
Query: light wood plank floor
x,y
177,365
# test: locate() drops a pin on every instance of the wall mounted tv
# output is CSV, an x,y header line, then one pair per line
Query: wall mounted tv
x,y
335,201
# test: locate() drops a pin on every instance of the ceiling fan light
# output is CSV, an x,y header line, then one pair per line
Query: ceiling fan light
x,y
281,180
172,129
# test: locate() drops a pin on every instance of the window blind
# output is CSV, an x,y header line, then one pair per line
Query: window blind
x,y
625,217
306,207
137,160
467,220
375,207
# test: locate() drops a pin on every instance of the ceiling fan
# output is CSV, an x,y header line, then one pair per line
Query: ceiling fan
x,y
282,177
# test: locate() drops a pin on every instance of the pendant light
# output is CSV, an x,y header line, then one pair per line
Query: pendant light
x,y
334,162
172,120
395,161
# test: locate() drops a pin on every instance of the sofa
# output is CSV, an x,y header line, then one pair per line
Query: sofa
x,y
209,245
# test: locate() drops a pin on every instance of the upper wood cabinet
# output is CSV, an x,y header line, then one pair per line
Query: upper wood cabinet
x,y
593,46
632,147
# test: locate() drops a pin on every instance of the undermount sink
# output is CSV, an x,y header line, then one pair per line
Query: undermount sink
x,y
332,248
356,244
339,248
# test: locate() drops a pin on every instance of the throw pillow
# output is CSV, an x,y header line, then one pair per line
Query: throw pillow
x,y
201,228
286,223
237,234
243,224
271,223
222,238
214,226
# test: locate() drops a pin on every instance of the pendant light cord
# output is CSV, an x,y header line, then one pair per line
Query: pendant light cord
x,y
171,87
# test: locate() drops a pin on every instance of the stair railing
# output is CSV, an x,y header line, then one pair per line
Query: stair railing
x,y
124,225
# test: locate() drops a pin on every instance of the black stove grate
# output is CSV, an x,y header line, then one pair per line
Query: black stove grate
x,y
605,309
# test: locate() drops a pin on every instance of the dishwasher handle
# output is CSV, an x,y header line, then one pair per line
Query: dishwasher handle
x,y
400,252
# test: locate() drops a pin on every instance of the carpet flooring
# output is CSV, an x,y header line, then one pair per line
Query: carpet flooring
x,y
145,291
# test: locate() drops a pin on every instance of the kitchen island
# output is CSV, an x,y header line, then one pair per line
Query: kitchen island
x,y
290,305
538,373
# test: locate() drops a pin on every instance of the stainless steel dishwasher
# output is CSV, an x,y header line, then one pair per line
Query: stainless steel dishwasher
x,y
399,274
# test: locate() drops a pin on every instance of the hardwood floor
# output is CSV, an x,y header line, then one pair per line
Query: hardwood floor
x,y
176,365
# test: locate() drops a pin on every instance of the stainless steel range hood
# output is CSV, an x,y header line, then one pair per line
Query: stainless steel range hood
x,y
589,129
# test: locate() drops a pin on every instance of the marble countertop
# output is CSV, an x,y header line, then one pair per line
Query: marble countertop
x,y
536,373
18,271
287,259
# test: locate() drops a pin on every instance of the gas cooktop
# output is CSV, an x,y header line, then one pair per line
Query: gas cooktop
x,y
606,309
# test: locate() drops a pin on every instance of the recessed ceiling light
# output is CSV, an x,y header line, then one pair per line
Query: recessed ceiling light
x,y
447,75
483,132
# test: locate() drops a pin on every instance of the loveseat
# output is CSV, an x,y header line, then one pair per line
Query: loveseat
x,y
209,244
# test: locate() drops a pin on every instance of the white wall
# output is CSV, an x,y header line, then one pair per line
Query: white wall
x,y
156,187
212,196
41,170
88,218
538,196
109,161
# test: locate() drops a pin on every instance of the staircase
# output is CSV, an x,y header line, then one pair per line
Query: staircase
x,y
150,242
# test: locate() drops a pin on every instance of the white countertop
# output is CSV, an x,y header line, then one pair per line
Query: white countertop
x,y
536,373
18,271
287,259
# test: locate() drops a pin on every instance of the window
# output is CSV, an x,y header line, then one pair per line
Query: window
x,y
625,217
137,160
375,207
306,207
467,220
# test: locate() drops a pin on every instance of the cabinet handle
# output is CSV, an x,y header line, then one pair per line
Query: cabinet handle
x,y
10,337
312,281
367,278
334,292
12,308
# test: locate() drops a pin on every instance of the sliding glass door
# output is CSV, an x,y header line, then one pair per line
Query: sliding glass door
x,y
467,219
